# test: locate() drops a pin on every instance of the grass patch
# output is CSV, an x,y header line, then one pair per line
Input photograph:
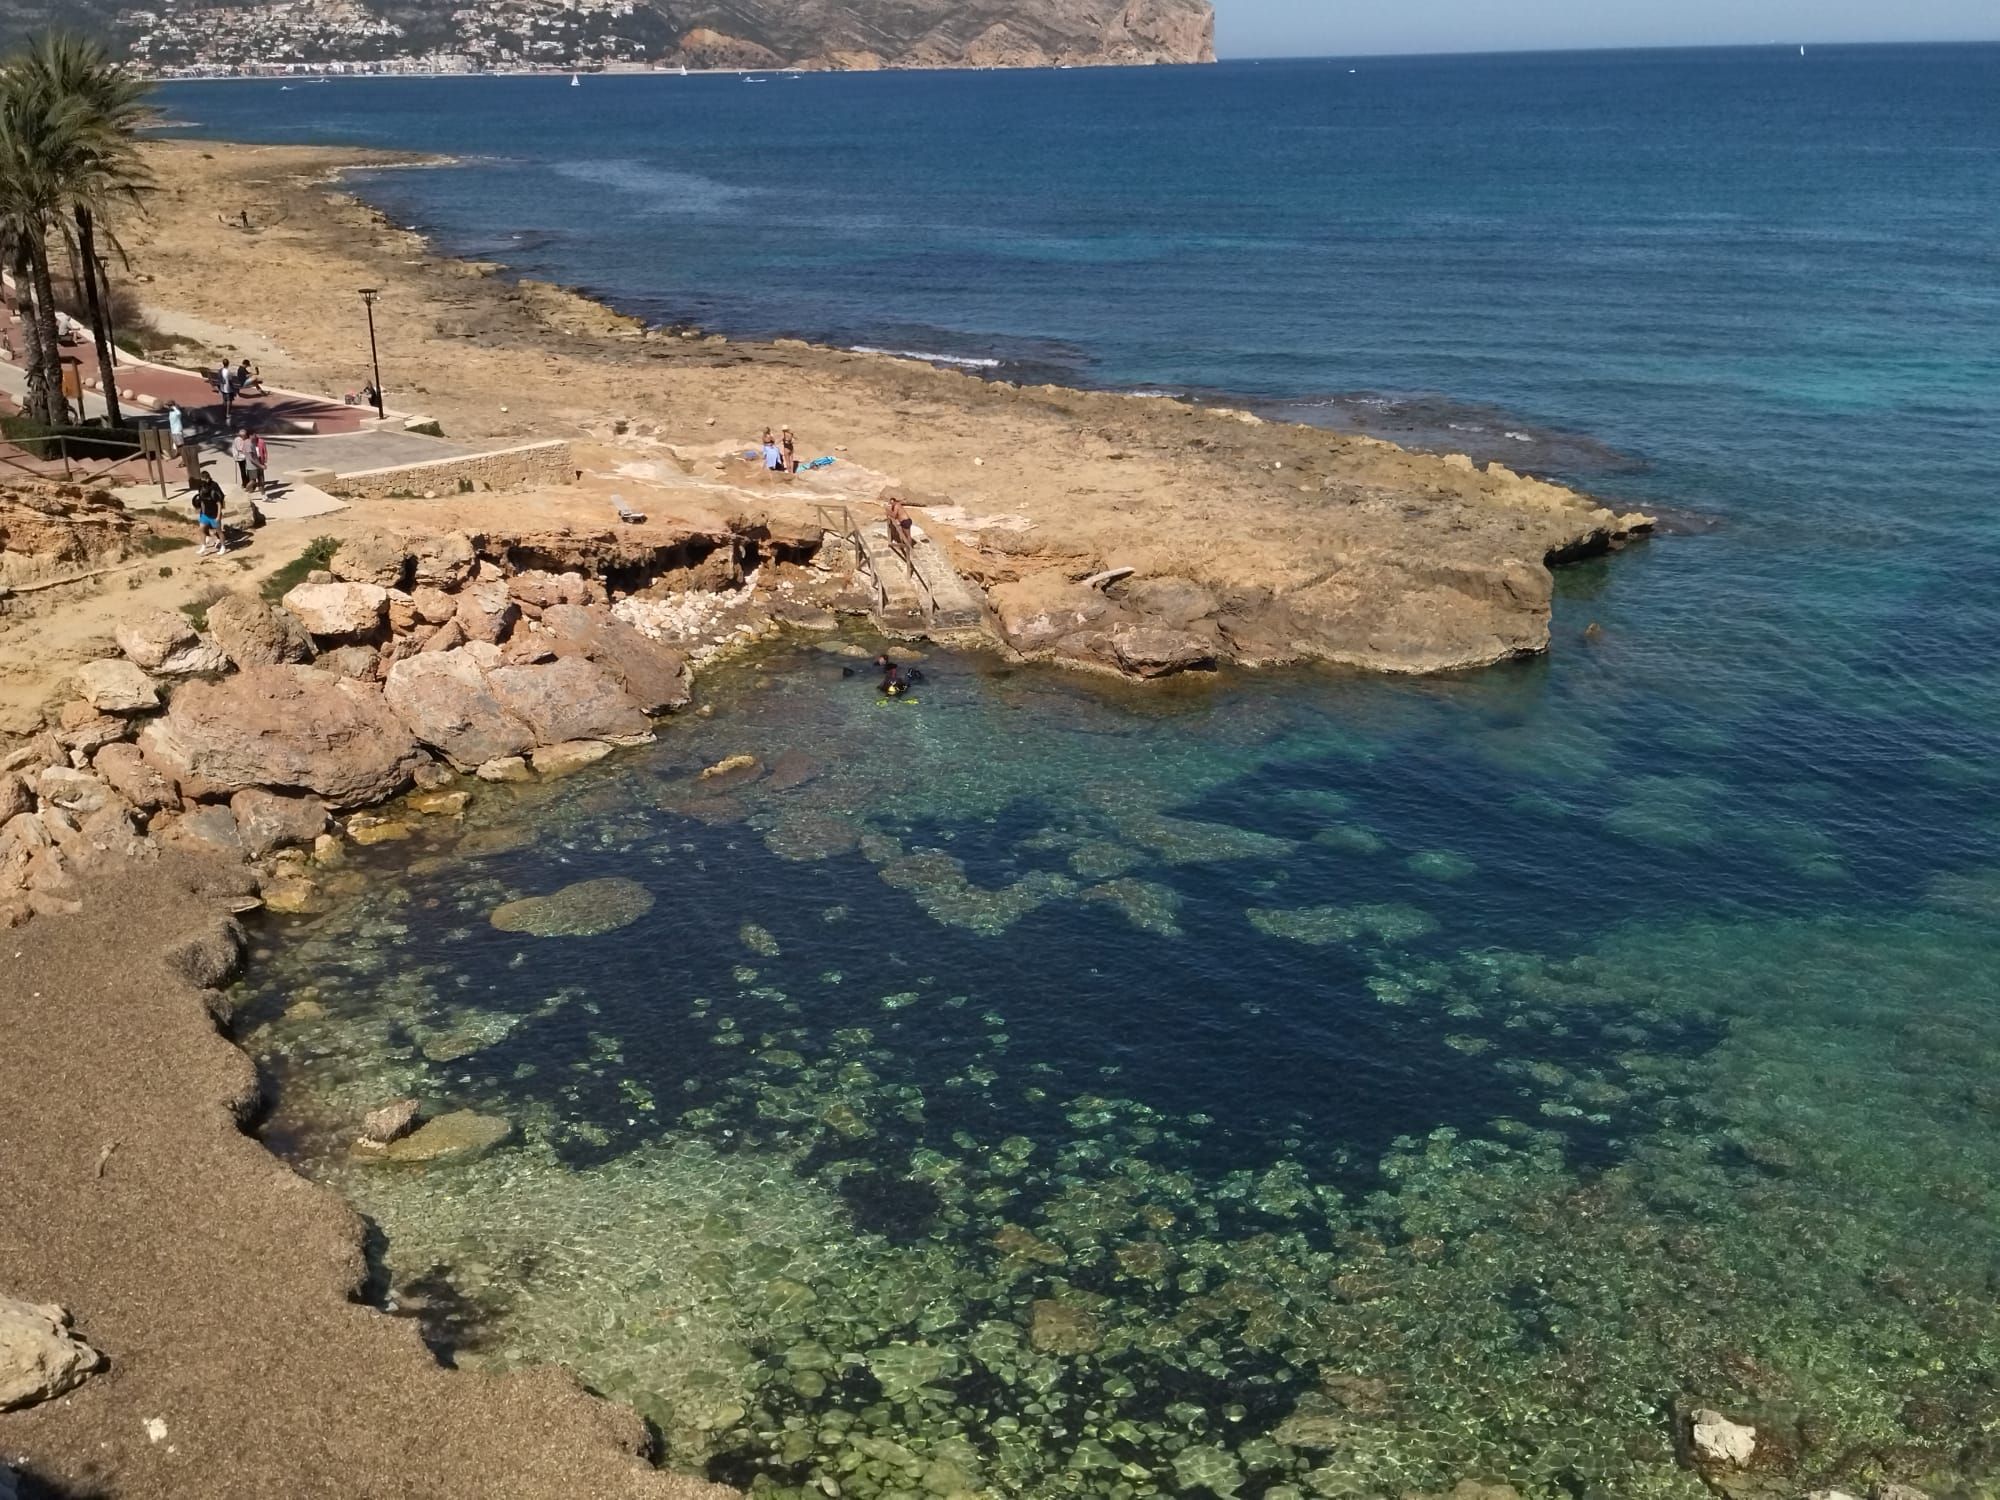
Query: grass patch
x,y
196,609
319,552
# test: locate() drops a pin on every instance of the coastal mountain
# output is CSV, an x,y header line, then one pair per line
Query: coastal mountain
x,y
229,35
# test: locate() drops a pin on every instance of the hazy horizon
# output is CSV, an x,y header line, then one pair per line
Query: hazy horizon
x,y
1288,28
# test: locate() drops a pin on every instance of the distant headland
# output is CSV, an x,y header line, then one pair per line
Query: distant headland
x,y
172,38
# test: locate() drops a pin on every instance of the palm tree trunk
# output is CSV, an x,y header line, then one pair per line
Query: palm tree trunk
x,y
35,356
45,316
100,327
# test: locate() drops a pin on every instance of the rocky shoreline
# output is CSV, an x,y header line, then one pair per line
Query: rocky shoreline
x,y
232,749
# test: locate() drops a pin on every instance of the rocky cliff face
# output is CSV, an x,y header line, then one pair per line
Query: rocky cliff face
x,y
939,33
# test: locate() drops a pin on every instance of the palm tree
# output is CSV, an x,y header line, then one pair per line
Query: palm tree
x,y
27,207
69,116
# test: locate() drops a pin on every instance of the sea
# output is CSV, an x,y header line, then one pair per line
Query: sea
x,y
1268,1085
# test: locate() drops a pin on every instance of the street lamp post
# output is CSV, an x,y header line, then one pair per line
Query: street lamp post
x,y
368,296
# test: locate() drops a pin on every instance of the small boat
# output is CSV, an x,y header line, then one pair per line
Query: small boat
x,y
576,80
756,80
1802,52
684,70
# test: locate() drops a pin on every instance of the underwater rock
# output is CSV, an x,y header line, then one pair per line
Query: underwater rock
x,y
733,769
393,1121
504,768
365,830
1062,1328
1719,1440
1147,905
1209,1468
793,768
758,940
1311,1429
571,755
39,1356
1319,926
462,1133
1889,1491
802,836
589,908
440,804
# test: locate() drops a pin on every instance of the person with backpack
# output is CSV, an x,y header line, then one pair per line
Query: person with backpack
x,y
208,503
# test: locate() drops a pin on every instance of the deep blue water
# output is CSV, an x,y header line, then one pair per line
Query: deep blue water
x,y
1684,938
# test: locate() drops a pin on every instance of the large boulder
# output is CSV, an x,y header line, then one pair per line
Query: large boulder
x,y
539,590
252,634
448,704
266,819
151,640
457,1136
285,726
338,610
1038,611
372,557
655,675
126,771
486,612
433,605
116,686
570,698
39,1356
443,562
1156,650
75,792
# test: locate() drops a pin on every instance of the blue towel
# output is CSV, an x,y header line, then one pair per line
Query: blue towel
x,y
820,463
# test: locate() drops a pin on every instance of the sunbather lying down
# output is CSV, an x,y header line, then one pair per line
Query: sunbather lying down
x,y
626,514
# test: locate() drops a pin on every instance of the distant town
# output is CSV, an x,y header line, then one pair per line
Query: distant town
x,y
319,37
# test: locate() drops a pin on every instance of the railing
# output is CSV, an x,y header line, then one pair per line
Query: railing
x,y
839,520
70,448
899,543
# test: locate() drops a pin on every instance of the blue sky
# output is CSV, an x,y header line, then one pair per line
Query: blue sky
x,y
1276,28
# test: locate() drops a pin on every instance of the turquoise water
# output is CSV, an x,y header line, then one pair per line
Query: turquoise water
x,y
1283,1085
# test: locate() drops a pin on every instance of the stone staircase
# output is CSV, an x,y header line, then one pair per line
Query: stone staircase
x,y
920,592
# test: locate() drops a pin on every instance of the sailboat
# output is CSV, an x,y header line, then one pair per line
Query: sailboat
x,y
576,80
1802,52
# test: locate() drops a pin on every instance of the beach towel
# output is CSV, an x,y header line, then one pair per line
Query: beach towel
x,y
819,463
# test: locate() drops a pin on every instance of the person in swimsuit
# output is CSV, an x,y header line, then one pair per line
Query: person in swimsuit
x,y
791,450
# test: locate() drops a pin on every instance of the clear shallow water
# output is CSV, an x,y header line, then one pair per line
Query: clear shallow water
x,y
1303,1085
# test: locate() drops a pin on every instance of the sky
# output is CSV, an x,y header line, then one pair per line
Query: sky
x,y
1336,28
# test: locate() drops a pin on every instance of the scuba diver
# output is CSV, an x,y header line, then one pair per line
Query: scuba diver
x,y
895,681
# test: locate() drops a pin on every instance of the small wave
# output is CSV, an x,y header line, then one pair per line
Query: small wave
x,y
665,190
956,361
1521,437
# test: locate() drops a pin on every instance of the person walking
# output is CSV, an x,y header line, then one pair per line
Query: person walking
x,y
208,503
260,461
176,425
225,387
239,449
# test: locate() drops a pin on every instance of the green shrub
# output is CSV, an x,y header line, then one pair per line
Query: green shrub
x,y
319,552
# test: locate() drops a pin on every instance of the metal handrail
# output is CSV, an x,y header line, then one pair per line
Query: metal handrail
x,y
62,440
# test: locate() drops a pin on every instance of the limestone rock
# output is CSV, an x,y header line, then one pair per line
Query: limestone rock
x,y
73,791
433,605
1173,602
266,819
655,675
443,562
151,640
365,830
372,557
505,768
447,637
117,686
14,797
391,1122
541,590
1156,650
587,909
571,755
1832,1495
338,610
451,705
569,699
1889,1491
91,732
359,663
1037,611
456,1136
39,1356
486,612
206,829
252,634
287,727
1718,1440
433,776
440,804
733,768
402,612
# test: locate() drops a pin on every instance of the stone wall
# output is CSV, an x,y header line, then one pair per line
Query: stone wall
x,y
529,467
